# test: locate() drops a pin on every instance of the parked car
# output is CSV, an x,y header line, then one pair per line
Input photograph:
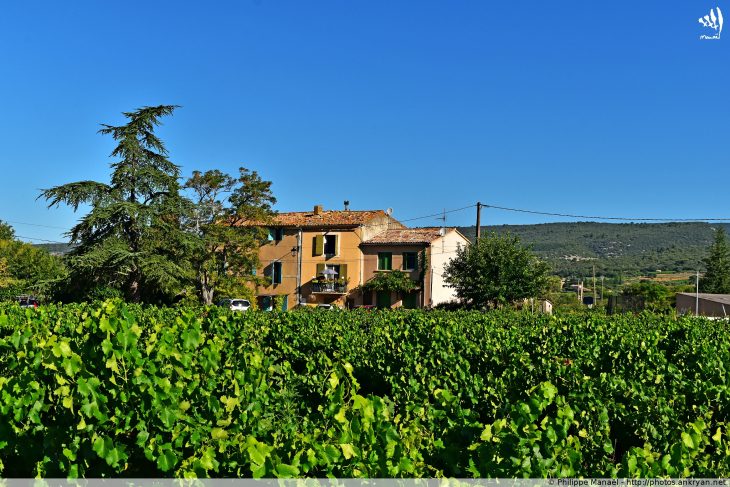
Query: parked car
x,y
28,301
327,306
235,304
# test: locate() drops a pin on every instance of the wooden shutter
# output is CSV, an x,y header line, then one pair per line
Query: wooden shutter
x,y
343,271
318,244
320,269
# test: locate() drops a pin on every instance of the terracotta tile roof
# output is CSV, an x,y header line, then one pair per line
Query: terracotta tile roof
x,y
407,236
338,218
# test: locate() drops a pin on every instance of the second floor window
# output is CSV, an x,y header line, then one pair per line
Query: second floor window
x,y
325,244
276,272
385,261
330,244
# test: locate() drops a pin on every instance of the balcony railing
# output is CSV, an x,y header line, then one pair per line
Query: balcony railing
x,y
329,287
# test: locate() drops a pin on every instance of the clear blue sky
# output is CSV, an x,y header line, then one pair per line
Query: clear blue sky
x,y
611,108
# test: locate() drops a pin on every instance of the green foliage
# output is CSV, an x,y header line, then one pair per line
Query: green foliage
x,y
717,276
6,231
394,281
26,269
223,250
657,297
494,271
131,238
121,390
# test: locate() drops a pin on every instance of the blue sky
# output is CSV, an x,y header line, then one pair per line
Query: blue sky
x,y
612,108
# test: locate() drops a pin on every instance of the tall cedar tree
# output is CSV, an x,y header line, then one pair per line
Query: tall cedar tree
x,y
717,276
131,239
224,250
494,271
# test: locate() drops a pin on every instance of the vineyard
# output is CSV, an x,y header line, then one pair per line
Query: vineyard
x,y
120,390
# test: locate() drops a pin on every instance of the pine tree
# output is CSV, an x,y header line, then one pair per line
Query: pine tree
x,y
717,276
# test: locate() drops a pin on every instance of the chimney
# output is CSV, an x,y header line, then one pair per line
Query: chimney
x,y
318,210
347,205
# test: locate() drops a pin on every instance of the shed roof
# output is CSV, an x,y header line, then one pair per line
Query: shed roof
x,y
717,298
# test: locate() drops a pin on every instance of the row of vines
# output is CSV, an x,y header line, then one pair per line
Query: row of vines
x,y
118,390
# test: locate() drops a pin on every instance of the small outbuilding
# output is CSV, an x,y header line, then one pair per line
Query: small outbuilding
x,y
704,304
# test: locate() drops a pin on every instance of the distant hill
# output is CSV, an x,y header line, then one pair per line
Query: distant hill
x,y
55,248
616,249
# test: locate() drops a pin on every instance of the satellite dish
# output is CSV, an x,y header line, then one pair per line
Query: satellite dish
x,y
389,211
442,231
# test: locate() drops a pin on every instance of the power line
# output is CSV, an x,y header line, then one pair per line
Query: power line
x,y
41,240
437,214
588,217
34,224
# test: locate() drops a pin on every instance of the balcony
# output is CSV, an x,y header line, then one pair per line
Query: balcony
x,y
329,288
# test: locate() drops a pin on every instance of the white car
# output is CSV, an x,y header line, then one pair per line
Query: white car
x,y
235,304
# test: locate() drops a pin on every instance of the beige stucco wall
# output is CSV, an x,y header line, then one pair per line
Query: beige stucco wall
x,y
348,253
441,252
281,251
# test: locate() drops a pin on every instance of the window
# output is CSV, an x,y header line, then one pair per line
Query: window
x,y
275,234
325,244
410,300
276,272
385,261
410,260
330,244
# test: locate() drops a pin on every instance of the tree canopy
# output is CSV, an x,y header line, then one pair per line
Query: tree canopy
x,y
224,251
131,239
494,271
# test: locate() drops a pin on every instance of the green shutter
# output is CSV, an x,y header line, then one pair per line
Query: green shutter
x,y
318,244
320,270
343,271
385,260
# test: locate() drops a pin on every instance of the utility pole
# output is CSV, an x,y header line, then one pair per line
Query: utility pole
x,y
595,300
697,295
479,220
602,288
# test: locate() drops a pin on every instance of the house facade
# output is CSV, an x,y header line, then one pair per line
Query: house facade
x,y
422,253
324,257
304,245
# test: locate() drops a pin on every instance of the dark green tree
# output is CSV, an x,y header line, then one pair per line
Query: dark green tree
x,y
6,231
225,247
717,275
131,239
494,271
